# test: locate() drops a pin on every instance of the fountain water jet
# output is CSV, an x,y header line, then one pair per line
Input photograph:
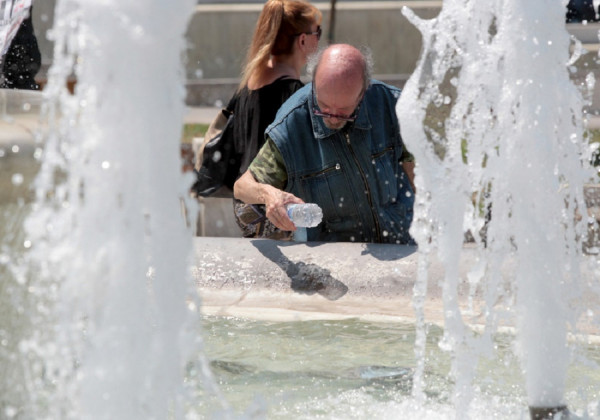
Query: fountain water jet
x,y
108,262
495,125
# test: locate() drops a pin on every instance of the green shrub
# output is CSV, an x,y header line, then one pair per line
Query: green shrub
x,y
193,130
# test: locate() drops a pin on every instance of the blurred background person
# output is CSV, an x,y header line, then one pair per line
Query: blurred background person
x,y
21,59
579,11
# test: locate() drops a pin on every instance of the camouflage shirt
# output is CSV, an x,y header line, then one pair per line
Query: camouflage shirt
x,y
268,166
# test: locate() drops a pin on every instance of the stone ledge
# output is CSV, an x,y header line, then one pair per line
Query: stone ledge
x,y
288,280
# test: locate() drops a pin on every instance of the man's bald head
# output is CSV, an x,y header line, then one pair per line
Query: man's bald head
x,y
341,75
342,64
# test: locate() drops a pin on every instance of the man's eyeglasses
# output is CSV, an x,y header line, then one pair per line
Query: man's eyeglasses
x,y
319,113
317,33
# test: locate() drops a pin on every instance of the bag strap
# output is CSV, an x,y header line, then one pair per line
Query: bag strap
x,y
231,105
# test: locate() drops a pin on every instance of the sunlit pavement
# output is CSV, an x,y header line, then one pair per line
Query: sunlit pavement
x,y
200,115
21,125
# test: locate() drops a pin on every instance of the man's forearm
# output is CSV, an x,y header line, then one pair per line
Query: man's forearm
x,y
249,190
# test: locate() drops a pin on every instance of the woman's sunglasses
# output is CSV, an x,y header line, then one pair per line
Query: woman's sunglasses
x,y
317,33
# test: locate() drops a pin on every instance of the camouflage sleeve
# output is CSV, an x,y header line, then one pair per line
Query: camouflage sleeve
x,y
268,166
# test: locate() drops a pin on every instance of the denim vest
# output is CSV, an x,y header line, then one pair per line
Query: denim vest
x,y
353,174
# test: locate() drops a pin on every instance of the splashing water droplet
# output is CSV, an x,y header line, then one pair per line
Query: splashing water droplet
x,y
17,179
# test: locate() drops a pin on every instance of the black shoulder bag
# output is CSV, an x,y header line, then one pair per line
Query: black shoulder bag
x,y
218,163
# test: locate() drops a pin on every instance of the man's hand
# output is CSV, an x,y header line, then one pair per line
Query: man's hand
x,y
275,203
247,189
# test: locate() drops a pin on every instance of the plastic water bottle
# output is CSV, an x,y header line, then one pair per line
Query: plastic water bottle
x,y
305,215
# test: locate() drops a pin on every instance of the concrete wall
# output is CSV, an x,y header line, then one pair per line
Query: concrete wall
x,y
43,20
219,35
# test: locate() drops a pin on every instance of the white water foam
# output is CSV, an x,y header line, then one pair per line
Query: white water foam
x,y
109,251
495,125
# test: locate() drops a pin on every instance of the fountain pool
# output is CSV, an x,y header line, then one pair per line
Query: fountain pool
x,y
353,369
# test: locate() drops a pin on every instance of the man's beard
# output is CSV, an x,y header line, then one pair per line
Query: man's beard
x,y
338,126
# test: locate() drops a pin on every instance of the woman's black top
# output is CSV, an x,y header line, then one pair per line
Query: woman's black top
x,y
254,110
227,155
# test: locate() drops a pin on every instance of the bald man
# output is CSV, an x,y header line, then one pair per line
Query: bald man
x,y
336,142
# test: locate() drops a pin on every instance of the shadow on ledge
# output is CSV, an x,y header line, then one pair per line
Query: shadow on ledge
x,y
304,278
